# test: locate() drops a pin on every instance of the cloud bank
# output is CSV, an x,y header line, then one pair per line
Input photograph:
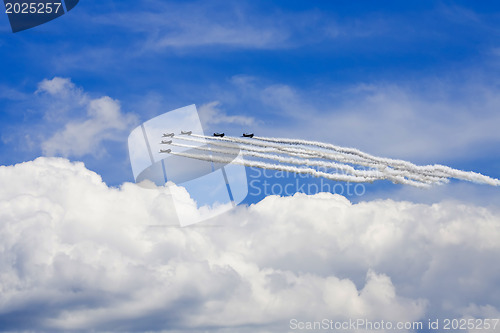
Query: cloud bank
x,y
78,256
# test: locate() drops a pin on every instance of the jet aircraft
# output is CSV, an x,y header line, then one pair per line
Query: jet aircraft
x,y
220,135
165,150
166,142
165,135
247,135
186,133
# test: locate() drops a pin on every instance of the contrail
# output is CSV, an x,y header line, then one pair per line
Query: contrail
x,y
228,142
355,156
279,167
297,152
309,153
458,174
281,159
395,177
286,148
263,147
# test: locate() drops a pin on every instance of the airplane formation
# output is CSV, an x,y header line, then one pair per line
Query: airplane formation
x,y
304,156
171,135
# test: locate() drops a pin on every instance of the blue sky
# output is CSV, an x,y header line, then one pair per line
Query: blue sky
x,y
408,80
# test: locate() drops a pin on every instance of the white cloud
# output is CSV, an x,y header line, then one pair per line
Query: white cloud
x,y
249,25
211,114
56,86
428,123
409,122
241,25
197,24
103,121
12,94
78,255
222,33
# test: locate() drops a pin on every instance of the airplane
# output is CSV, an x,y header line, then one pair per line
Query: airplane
x,y
247,135
168,135
166,142
220,135
165,151
186,133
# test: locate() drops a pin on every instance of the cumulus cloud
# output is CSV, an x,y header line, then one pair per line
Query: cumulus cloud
x,y
79,138
56,86
81,135
79,255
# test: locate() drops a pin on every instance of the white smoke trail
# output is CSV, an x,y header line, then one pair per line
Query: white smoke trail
x,y
399,164
247,144
280,167
365,159
307,153
395,177
276,148
288,160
